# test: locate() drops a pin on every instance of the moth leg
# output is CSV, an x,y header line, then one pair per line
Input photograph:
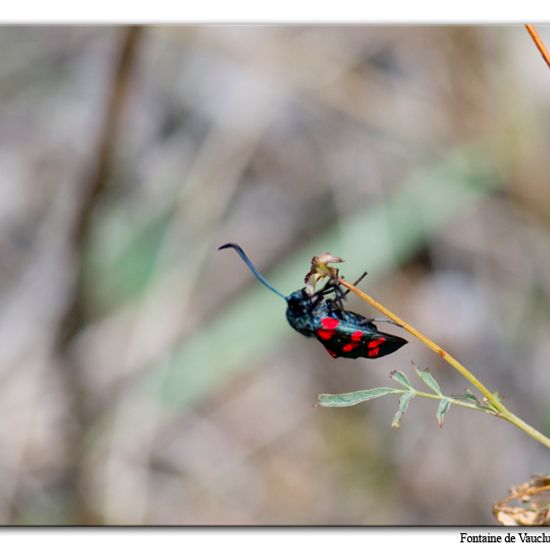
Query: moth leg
x,y
327,289
341,295
355,284
331,286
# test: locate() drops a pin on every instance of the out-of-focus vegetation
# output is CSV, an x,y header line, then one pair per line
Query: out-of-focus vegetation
x,y
149,379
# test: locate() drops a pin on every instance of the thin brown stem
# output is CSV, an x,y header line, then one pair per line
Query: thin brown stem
x,y
538,43
529,492
497,405
492,399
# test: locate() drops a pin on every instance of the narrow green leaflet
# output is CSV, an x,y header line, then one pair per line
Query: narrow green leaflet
x,y
469,397
444,405
429,380
403,405
353,398
401,377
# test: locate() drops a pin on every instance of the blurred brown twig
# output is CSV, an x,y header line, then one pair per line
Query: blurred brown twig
x,y
94,187
99,174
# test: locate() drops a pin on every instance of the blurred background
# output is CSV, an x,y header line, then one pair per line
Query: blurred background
x,y
148,379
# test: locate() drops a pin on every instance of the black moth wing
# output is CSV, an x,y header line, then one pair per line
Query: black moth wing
x,y
348,334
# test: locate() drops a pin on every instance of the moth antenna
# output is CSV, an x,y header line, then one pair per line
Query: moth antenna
x,y
250,265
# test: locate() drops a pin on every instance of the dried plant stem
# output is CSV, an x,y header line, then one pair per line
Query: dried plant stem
x,y
538,43
528,492
491,398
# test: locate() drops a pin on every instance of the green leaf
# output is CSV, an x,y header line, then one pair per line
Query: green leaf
x,y
444,405
429,380
401,377
469,397
403,406
121,259
354,397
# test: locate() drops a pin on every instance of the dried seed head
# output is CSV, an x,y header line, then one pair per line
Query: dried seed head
x,y
320,270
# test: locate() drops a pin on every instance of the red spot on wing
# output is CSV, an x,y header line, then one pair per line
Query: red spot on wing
x,y
376,343
329,322
325,334
349,347
356,336
333,353
374,352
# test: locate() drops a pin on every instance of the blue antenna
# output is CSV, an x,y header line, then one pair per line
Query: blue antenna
x,y
250,265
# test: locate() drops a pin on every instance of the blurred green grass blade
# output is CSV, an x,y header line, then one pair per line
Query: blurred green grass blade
x,y
376,238
121,258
